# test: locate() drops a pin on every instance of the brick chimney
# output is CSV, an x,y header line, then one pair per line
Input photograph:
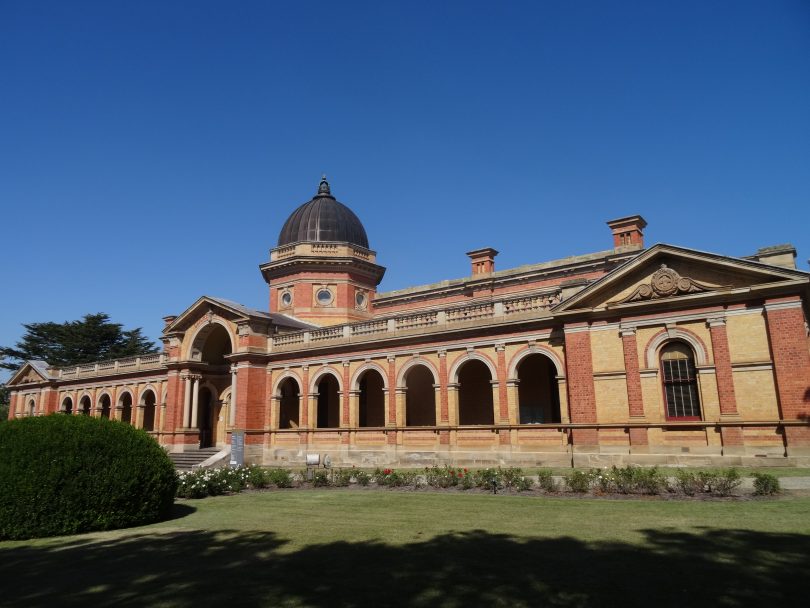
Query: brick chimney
x,y
628,231
483,260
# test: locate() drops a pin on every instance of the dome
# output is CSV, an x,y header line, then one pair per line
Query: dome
x,y
323,219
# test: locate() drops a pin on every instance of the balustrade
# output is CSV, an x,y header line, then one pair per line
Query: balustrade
x,y
434,318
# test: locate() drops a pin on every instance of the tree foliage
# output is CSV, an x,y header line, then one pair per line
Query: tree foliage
x,y
5,399
92,338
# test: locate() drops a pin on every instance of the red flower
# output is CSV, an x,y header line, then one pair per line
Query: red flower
x,y
465,470
460,474
387,472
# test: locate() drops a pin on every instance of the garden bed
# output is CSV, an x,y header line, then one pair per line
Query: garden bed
x,y
613,483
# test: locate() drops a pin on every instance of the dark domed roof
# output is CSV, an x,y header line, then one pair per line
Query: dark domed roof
x,y
323,219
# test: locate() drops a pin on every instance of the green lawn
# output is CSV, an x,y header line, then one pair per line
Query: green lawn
x,y
361,548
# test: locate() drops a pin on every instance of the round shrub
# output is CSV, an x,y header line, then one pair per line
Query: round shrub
x,y
67,474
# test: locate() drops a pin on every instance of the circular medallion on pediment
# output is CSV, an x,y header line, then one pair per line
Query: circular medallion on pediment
x,y
665,281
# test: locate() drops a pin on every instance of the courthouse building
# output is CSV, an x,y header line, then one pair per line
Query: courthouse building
x,y
658,354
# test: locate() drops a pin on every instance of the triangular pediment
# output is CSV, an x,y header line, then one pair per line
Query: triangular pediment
x,y
31,372
208,306
665,273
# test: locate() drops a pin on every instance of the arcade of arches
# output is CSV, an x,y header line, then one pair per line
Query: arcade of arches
x,y
661,355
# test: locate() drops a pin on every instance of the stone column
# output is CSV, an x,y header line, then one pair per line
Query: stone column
x,y
400,415
496,407
437,403
354,408
186,400
513,393
195,400
502,412
452,402
232,408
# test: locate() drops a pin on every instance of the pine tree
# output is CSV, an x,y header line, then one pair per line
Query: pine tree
x,y
93,338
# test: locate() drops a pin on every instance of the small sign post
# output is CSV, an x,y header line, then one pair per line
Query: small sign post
x,y
237,448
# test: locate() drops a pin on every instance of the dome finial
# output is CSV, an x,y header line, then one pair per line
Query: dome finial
x,y
323,187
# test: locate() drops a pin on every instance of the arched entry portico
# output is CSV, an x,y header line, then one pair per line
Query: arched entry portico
x,y
209,378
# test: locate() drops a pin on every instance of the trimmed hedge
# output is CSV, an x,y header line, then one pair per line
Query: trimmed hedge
x,y
64,474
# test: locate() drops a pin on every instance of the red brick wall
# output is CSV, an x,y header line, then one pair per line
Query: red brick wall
x,y
12,408
392,392
634,396
250,397
581,393
444,404
305,399
174,403
791,360
635,400
345,396
722,365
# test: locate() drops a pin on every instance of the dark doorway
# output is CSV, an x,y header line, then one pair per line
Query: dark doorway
x,y
420,397
538,393
328,403
205,418
288,404
372,400
475,394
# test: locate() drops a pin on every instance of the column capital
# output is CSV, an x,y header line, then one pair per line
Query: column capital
x,y
627,330
500,347
716,321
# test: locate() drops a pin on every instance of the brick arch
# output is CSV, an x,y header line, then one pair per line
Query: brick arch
x,y
355,383
403,371
144,390
287,374
192,346
67,397
313,383
101,394
120,396
668,335
534,350
454,369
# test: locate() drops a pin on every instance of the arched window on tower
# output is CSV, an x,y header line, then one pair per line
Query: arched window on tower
x,y
679,378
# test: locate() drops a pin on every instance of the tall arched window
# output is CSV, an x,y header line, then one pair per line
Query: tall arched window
x,y
680,382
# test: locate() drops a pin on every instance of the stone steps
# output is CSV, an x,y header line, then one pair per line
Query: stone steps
x,y
185,461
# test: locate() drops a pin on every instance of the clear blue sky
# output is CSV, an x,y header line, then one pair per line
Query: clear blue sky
x,y
150,151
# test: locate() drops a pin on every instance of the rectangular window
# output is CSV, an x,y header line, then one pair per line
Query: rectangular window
x,y
680,388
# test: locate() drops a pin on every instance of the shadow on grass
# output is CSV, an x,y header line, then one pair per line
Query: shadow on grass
x,y
199,568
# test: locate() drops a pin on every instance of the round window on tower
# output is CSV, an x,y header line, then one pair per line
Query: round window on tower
x,y
286,299
360,300
324,297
